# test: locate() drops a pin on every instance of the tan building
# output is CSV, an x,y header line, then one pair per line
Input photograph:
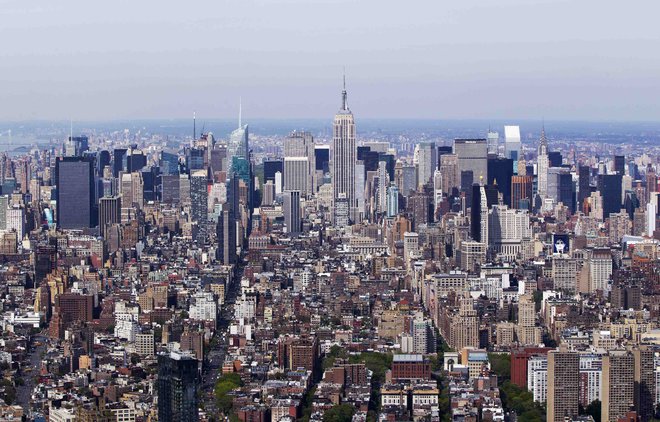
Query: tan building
x,y
563,385
618,385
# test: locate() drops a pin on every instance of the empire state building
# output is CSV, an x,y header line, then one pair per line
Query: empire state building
x,y
343,159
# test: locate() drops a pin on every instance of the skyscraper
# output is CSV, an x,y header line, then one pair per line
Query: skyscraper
x,y
343,162
301,145
426,158
618,385
563,385
542,165
292,212
493,142
177,388
75,193
521,191
512,144
472,156
238,145
199,197
609,186
109,213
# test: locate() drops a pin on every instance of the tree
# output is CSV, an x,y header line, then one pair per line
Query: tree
x,y
223,387
592,409
339,413
500,363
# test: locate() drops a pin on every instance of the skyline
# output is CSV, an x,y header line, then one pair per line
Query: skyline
x,y
165,60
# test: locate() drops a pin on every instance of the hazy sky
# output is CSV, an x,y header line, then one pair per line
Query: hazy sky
x,y
512,59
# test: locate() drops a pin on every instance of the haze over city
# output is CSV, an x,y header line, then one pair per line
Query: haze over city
x,y
511,59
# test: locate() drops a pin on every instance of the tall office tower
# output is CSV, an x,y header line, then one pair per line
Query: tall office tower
x,y
426,159
271,167
109,213
199,197
137,180
512,144
526,311
560,187
218,158
542,166
619,164
383,183
75,193
226,236
322,158
493,142
343,164
360,186
169,163
555,159
301,144
408,180
410,245
584,190
645,384
609,186
177,388
651,182
269,194
472,156
500,172
238,145
651,216
292,219
483,198
392,201
135,160
521,192
119,161
451,177
170,189
296,175
618,385
437,189
4,205
563,385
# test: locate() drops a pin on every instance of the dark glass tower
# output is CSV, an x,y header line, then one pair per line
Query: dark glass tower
x,y
75,193
177,388
609,186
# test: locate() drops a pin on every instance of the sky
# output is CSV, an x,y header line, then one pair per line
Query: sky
x,y
435,59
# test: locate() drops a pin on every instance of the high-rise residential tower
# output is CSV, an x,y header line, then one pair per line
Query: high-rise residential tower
x,y
343,160
177,388
563,385
75,193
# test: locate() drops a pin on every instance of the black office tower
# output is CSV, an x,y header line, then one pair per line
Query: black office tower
x,y
584,189
177,388
322,157
76,208
500,172
555,159
620,164
609,186
119,161
271,167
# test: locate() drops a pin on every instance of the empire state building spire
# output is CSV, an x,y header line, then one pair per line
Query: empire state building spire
x,y
344,96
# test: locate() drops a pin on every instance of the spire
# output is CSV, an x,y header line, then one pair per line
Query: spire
x,y
344,103
240,112
194,125
543,142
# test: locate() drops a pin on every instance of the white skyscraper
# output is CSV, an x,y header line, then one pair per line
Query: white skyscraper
x,y
296,175
512,144
426,156
301,145
343,161
493,142
383,182
542,165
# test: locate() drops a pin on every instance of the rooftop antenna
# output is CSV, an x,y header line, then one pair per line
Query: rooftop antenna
x,y
71,129
240,112
194,125
344,106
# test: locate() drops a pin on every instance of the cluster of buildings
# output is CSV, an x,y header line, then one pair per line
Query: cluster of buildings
x,y
276,281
